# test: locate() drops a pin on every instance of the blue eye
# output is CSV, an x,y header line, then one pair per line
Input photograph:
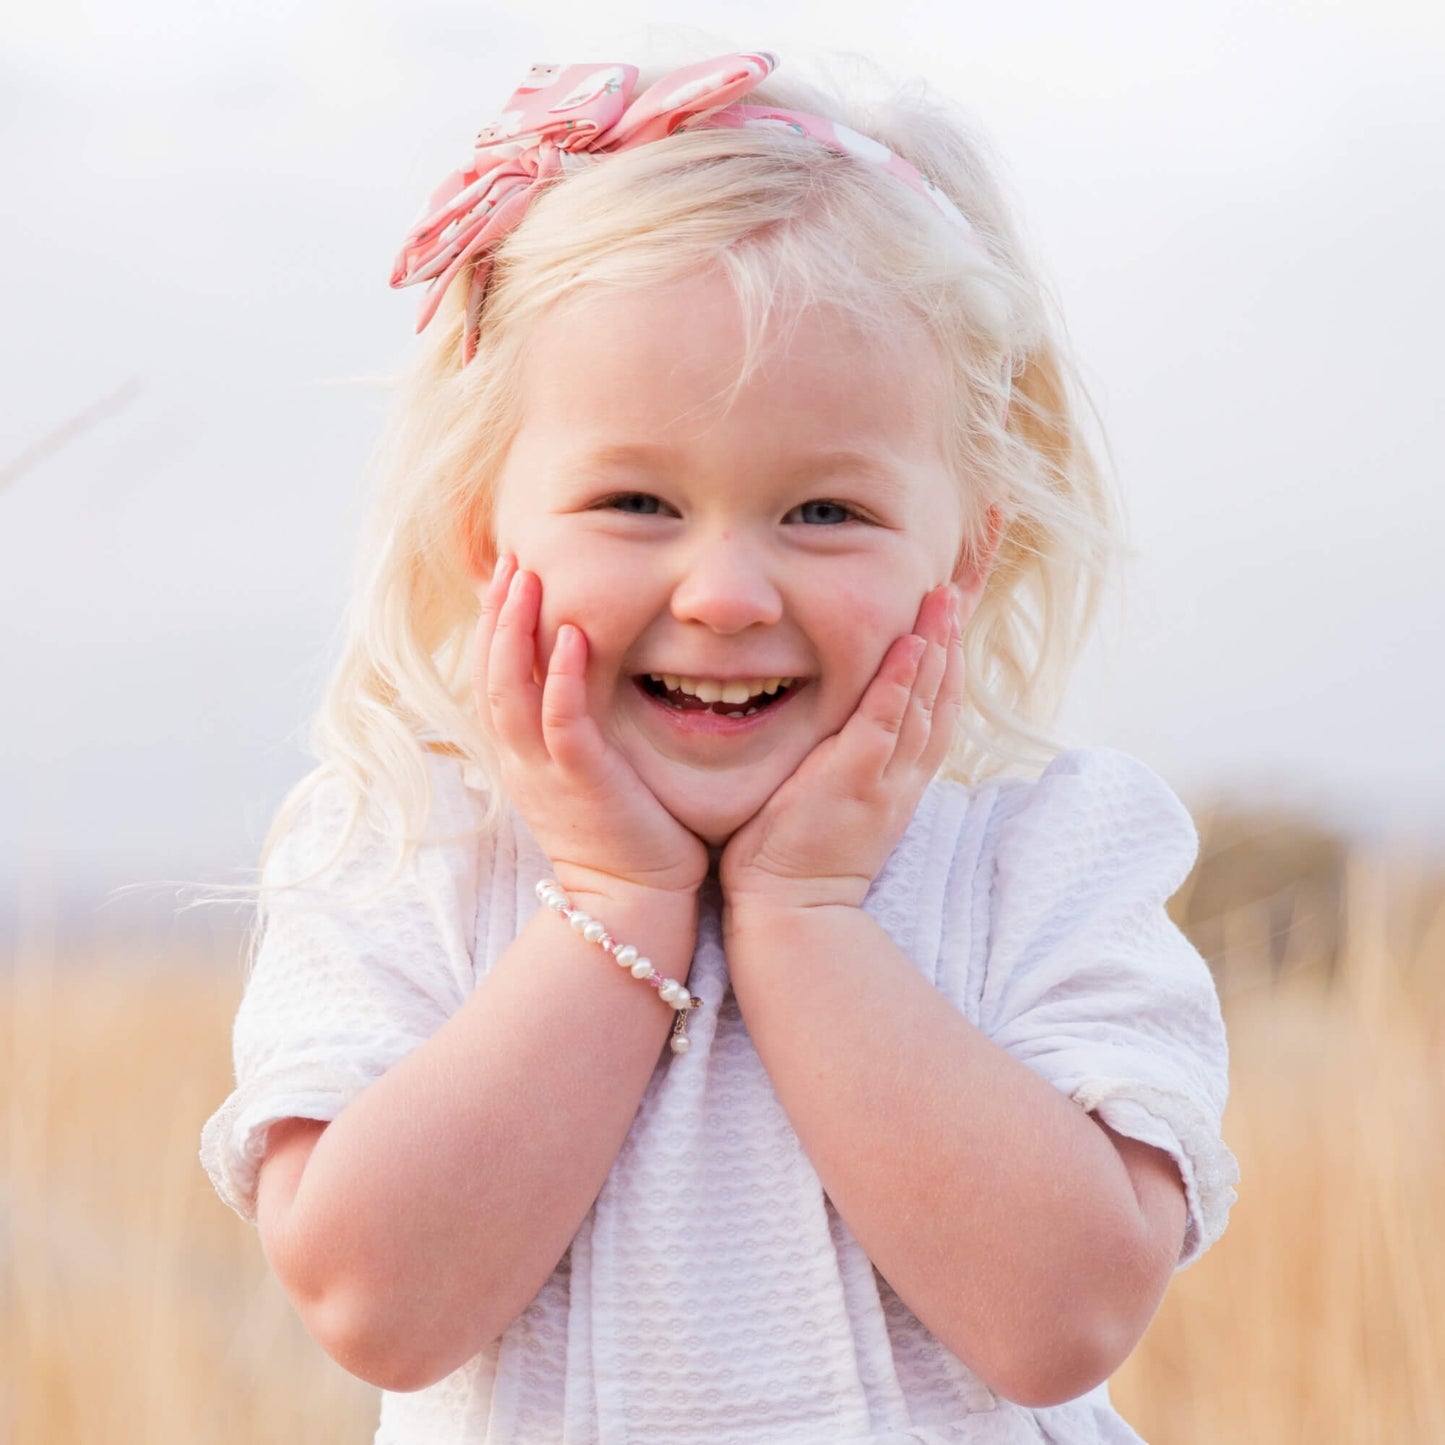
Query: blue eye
x,y
821,514
639,504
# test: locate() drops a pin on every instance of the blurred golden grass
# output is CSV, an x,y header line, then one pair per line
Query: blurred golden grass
x,y
1320,1316
136,1308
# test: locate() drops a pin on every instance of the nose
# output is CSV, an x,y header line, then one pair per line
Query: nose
x,y
726,585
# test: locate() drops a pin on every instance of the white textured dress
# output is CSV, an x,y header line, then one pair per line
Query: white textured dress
x,y
1036,908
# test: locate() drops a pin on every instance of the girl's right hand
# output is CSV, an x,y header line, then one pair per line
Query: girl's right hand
x,y
604,831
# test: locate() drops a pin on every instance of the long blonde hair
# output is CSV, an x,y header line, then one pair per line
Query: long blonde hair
x,y
790,224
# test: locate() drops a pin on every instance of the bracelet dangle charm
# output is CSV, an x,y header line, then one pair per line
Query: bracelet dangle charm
x,y
673,993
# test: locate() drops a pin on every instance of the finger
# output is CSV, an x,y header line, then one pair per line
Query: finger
x,y
868,739
568,730
935,626
949,704
936,614
514,699
492,596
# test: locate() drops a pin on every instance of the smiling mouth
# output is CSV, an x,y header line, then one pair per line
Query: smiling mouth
x,y
737,698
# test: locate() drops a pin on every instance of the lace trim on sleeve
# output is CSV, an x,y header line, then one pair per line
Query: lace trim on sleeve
x,y
1172,1122
233,1143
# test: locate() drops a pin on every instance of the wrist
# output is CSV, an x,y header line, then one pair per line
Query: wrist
x,y
779,921
670,983
786,897
591,886
660,922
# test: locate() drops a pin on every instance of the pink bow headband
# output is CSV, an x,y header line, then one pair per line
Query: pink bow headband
x,y
558,112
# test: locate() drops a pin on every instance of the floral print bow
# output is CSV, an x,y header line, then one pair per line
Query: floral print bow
x,y
565,110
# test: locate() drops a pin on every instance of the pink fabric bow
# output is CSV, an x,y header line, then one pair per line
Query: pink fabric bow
x,y
581,108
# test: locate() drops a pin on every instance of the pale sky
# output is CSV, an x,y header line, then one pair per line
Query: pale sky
x,y
1239,205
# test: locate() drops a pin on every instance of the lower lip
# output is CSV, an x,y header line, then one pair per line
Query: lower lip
x,y
704,722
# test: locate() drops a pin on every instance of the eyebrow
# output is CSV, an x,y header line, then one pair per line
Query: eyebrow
x,y
616,456
869,466
655,456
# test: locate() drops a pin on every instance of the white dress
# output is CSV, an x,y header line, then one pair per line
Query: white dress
x,y
1036,908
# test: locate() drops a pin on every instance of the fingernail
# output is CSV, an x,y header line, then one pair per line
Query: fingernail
x,y
515,584
504,562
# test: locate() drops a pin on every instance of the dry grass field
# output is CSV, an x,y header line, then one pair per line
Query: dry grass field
x,y
135,1308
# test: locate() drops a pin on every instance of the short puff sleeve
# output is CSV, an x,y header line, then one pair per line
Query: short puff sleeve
x,y
355,967
1091,984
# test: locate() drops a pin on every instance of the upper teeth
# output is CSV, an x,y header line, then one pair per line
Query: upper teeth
x,y
709,689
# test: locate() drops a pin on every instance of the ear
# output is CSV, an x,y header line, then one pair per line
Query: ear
x,y
975,562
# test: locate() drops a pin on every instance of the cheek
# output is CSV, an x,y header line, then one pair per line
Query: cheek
x,y
866,617
606,610
855,628
883,620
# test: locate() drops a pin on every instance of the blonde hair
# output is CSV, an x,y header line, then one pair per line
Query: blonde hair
x,y
791,224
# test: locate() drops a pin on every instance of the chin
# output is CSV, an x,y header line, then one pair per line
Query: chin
x,y
713,829
717,823
715,835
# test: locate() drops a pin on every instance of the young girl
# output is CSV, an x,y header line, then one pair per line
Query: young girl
x,y
642,1045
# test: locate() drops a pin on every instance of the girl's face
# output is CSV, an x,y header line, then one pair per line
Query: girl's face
x,y
739,563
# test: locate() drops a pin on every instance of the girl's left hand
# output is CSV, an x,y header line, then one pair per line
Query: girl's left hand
x,y
823,836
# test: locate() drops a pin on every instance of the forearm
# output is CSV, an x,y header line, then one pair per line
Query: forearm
x,y
1000,1212
435,1206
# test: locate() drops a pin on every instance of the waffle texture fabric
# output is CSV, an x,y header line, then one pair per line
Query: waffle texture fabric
x,y
1035,907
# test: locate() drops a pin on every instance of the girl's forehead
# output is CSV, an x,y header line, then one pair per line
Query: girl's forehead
x,y
691,356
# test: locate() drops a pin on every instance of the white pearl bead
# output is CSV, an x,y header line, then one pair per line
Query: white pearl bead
x,y
667,991
556,902
641,968
681,1043
681,1000
580,920
593,932
626,955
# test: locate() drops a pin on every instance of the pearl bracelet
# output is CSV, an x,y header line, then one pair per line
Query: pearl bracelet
x,y
550,891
